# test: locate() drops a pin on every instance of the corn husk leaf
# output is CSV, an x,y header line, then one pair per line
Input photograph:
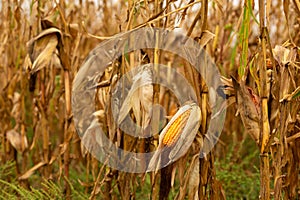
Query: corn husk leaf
x,y
139,98
194,180
284,55
41,49
206,37
247,109
16,140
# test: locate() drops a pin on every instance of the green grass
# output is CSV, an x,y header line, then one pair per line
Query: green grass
x,y
47,189
239,172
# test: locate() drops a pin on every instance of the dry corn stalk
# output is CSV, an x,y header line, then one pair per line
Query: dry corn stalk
x,y
176,137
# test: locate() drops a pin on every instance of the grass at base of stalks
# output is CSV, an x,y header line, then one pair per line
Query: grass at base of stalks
x,y
239,171
45,189
51,189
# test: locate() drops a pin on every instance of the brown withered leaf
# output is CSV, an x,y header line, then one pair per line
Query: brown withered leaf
x,y
189,180
74,29
194,180
297,6
248,108
289,97
91,138
41,49
139,98
16,110
284,55
293,137
206,37
15,140
27,174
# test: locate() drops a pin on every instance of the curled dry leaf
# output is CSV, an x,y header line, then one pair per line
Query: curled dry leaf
x,y
176,138
139,97
286,59
16,140
92,138
41,49
284,55
248,108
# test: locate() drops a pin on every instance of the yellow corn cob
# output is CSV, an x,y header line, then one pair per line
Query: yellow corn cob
x,y
176,128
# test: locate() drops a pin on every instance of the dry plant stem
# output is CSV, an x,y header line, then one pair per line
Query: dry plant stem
x,y
265,131
97,182
88,160
203,171
157,7
128,141
165,182
107,180
165,15
271,133
108,184
197,18
279,152
22,121
264,172
43,108
67,137
155,115
204,10
165,173
67,134
182,193
149,21
265,134
264,122
131,14
45,132
63,49
191,73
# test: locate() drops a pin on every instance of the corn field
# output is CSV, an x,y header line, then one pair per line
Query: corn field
x,y
48,48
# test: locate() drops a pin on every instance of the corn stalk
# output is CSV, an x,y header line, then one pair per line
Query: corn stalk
x,y
264,121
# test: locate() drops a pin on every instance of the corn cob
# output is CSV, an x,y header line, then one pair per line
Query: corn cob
x,y
177,136
176,128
